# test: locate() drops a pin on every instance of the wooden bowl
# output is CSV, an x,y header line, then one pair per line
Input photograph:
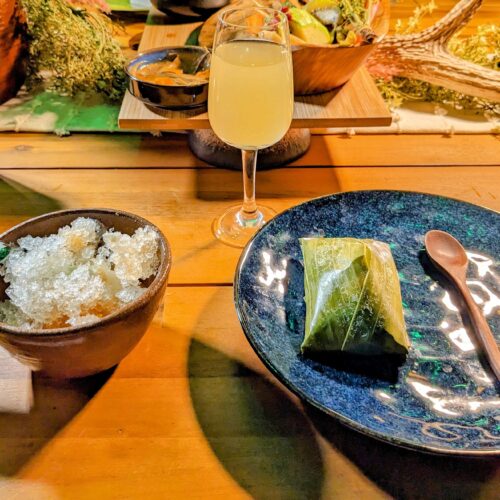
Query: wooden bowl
x,y
84,350
316,68
13,48
320,68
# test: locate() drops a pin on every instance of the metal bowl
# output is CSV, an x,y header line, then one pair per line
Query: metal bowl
x,y
192,58
189,9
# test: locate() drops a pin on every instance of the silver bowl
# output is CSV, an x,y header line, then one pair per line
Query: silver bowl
x,y
192,58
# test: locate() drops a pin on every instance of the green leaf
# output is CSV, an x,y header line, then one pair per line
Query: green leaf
x,y
192,39
4,251
352,297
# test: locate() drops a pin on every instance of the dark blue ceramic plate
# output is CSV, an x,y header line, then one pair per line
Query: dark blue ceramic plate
x,y
445,399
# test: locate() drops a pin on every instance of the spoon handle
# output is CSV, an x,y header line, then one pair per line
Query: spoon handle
x,y
482,330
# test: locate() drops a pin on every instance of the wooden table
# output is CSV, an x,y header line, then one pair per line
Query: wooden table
x,y
192,412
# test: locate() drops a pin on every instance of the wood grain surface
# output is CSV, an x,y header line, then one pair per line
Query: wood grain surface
x,y
170,151
183,202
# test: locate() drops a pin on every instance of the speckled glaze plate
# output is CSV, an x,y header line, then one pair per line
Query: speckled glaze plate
x,y
445,399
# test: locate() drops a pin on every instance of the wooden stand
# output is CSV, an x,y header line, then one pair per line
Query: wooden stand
x,y
355,104
206,146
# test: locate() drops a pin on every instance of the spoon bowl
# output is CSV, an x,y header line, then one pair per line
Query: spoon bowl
x,y
446,252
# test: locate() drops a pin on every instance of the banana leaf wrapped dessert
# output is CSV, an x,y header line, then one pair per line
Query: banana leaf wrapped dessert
x,y
353,298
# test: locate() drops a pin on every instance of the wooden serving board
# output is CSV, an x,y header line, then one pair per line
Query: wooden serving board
x,y
356,104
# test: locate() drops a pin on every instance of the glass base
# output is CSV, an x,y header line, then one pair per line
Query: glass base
x,y
235,229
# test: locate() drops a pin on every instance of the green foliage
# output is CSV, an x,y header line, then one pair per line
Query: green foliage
x,y
4,251
481,48
399,90
72,50
412,24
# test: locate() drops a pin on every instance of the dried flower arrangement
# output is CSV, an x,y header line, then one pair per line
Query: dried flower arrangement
x,y
72,49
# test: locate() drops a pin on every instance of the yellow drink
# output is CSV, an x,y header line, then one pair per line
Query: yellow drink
x,y
250,97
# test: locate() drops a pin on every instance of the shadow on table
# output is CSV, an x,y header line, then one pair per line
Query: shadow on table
x,y
16,199
262,439
226,185
409,474
55,404
22,436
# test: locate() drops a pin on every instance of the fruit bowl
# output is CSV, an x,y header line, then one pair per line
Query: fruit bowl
x,y
317,68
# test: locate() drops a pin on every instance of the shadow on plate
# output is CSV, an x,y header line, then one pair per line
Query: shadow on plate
x,y
55,404
262,439
383,367
409,474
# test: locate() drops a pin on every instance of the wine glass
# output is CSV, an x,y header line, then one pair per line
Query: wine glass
x,y
250,102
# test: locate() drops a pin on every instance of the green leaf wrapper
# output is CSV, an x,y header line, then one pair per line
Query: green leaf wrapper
x,y
353,298
4,251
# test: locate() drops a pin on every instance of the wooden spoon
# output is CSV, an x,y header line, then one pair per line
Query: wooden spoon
x,y
450,257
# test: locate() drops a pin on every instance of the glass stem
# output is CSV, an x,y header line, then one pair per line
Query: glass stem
x,y
249,159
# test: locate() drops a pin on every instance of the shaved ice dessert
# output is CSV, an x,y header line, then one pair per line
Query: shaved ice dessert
x,y
77,276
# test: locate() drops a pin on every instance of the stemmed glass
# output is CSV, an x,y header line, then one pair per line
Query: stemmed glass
x,y
250,102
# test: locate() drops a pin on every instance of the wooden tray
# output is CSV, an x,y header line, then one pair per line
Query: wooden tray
x,y
356,104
